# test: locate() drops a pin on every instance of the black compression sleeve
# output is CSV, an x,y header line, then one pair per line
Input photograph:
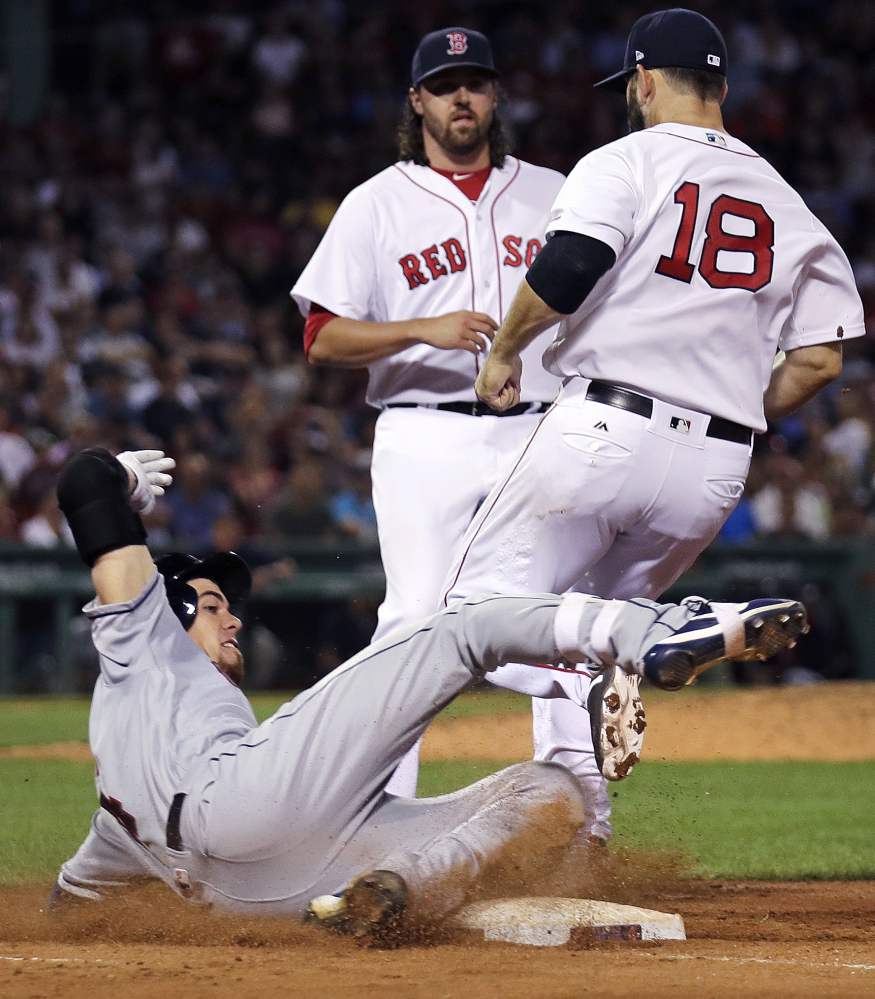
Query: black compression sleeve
x,y
566,270
93,494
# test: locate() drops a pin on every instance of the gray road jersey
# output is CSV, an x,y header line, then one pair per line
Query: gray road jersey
x,y
160,710
297,808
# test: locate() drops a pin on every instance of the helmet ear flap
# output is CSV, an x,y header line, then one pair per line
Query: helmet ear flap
x,y
182,598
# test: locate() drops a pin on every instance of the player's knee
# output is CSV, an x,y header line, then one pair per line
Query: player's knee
x,y
552,782
553,775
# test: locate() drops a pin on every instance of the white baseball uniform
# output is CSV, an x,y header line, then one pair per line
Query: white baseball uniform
x,y
410,244
719,263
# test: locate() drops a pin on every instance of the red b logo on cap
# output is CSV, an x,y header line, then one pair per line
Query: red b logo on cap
x,y
458,42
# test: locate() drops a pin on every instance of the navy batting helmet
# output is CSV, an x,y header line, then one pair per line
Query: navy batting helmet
x,y
226,569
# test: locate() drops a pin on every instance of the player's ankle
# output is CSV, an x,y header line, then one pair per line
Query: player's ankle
x,y
582,628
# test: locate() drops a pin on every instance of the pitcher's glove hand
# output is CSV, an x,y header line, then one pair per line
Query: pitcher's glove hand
x,y
147,471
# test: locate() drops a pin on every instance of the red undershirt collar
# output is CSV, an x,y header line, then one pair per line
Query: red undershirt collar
x,y
470,184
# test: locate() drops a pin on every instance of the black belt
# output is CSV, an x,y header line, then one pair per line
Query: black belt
x,y
474,408
641,405
174,839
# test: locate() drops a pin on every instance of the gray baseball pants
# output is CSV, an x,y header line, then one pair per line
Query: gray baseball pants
x,y
297,809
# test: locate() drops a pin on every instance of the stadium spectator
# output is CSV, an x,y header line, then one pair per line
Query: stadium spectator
x,y
353,508
194,503
41,478
790,505
175,404
302,509
47,528
16,456
279,53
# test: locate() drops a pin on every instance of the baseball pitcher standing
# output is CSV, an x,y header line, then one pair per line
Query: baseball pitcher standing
x,y
416,270
699,297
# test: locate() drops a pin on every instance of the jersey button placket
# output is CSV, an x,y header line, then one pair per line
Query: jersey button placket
x,y
486,275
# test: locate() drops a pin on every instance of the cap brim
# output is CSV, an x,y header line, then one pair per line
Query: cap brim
x,y
453,65
617,82
226,569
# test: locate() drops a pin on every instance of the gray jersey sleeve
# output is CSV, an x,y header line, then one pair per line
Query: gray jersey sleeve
x,y
129,635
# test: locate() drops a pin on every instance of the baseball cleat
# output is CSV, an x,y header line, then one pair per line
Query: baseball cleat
x,y
724,633
66,895
61,901
371,903
617,719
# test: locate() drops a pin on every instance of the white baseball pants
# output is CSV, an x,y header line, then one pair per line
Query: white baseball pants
x,y
602,501
431,470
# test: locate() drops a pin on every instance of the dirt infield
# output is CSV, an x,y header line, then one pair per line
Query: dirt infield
x,y
805,941
827,721
746,940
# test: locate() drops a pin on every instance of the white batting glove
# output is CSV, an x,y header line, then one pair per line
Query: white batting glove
x,y
150,469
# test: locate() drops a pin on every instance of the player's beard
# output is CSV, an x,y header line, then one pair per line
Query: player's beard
x,y
634,110
461,137
231,665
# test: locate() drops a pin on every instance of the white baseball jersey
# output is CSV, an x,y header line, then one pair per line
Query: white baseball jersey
x,y
719,263
409,244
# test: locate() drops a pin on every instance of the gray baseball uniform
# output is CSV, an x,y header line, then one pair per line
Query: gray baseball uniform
x,y
277,813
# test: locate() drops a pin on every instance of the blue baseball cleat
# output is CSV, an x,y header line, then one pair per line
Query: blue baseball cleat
x,y
724,633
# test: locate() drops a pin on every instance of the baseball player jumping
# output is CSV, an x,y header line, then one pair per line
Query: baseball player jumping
x,y
290,817
412,277
698,297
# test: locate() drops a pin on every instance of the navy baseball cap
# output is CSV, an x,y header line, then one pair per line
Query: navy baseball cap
x,y
451,47
675,37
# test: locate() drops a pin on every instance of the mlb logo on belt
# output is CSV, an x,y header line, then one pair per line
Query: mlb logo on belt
x,y
680,424
458,42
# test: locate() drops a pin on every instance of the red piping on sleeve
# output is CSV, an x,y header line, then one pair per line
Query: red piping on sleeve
x,y
316,319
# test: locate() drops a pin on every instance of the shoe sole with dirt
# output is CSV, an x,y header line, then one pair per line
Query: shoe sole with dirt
x,y
618,722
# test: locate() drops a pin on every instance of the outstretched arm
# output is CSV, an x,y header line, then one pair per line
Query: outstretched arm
x,y
121,574
561,277
498,384
102,497
351,343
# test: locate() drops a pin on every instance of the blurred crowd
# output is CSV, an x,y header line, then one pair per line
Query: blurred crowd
x,y
190,155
